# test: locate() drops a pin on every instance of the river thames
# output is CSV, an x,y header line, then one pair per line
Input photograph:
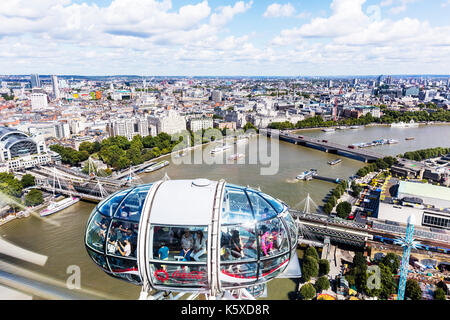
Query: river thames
x,y
63,244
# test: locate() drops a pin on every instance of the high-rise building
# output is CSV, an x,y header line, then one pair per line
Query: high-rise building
x,y
38,100
62,130
35,82
55,85
330,83
216,96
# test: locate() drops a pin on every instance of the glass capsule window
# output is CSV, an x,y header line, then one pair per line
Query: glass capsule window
x,y
179,243
131,206
238,243
261,208
110,206
112,231
96,232
236,207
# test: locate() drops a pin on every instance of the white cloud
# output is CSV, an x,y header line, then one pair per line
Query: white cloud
x,y
225,14
276,10
349,37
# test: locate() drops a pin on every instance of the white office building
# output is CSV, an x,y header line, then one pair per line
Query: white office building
x,y
38,100
169,123
203,123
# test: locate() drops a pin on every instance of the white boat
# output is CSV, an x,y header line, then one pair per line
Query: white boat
x,y
307,174
157,166
56,206
355,127
332,163
342,128
221,148
392,141
328,130
236,156
401,124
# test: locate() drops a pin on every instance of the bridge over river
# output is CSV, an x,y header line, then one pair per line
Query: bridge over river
x,y
325,145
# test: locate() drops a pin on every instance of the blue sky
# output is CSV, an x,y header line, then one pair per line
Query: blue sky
x,y
227,37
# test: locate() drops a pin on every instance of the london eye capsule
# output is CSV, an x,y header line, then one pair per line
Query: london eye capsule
x,y
197,236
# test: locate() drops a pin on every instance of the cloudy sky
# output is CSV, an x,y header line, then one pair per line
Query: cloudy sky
x,y
225,37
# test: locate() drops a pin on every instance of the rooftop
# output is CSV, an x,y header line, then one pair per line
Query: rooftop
x,y
424,190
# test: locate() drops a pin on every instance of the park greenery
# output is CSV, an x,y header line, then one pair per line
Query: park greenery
x,y
343,209
423,154
120,153
70,155
34,198
27,180
356,189
388,117
358,276
307,291
324,267
322,284
310,265
336,193
12,189
314,267
439,294
413,290
380,164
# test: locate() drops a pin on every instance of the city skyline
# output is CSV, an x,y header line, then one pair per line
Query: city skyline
x,y
235,38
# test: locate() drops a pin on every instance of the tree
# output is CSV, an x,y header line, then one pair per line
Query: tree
x,y
356,190
439,294
343,209
34,198
388,283
307,291
359,260
324,267
413,290
327,208
10,185
392,261
332,200
322,284
310,268
28,180
312,252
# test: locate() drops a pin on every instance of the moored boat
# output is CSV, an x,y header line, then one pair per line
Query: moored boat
x,y
220,149
56,206
157,166
307,174
336,161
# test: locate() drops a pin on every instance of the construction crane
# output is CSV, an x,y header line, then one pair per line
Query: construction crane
x,y
407,243
336,103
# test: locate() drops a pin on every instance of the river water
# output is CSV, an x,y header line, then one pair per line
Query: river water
x,y
63,244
